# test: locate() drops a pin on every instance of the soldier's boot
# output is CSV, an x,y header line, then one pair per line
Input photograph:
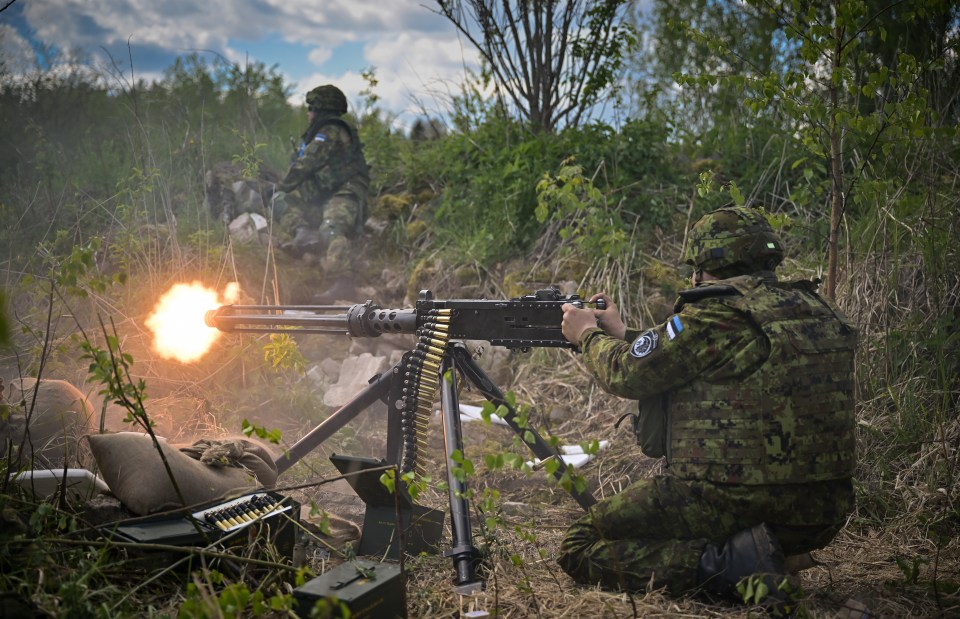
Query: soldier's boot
x,y
341,290
754,554
305,241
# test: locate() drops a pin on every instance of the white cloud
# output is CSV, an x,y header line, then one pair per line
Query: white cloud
x,y
416,53
319,55
15,52
417,72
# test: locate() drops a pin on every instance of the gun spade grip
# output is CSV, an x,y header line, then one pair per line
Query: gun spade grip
x,y
600,304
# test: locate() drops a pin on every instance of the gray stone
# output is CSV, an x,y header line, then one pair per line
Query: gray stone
x,y
355,374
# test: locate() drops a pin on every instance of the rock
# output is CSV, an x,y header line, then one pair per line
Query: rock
x,y
514,508
324,373
249,228
355,374
559,414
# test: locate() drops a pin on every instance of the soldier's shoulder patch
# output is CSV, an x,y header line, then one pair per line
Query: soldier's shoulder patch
x,y
320,137
674,327
645,344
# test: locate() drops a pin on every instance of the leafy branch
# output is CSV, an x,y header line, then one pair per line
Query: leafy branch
x,y
111,368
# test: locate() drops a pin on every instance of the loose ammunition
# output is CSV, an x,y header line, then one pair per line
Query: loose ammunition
x,y
211,517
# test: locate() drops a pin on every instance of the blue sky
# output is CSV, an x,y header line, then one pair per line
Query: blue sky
x,y
417,55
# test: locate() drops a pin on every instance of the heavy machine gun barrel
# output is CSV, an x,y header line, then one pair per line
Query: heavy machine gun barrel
x,y
521,323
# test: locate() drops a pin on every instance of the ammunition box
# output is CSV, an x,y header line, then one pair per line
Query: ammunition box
x,y
239,521
366,589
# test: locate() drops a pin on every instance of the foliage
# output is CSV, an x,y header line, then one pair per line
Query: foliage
x,y
215,596
595,229
829,87
250,429
283,354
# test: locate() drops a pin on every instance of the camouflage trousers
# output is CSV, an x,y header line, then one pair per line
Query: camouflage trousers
x,y
336,221
654,532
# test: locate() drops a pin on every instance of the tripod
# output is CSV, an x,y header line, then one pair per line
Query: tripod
x,y
385,387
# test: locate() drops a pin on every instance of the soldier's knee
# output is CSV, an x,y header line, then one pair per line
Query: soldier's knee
x,y
331,227
343,212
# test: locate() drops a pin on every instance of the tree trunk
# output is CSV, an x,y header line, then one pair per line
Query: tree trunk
x,y
836,167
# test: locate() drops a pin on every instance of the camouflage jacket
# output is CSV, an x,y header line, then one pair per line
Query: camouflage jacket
x,y
329,163
749,381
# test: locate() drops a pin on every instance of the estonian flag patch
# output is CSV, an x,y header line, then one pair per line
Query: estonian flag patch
x,y
320,138
674,327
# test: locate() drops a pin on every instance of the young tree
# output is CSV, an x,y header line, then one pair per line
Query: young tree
x,y
554,60
844,98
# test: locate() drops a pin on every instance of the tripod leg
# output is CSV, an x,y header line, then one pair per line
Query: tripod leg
x,y
363,400
533,440
464,555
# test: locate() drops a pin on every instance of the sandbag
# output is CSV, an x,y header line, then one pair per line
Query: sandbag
x,y
235,452
44,425
132,467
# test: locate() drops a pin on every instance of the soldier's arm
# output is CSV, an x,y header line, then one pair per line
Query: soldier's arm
x,y
702,339
315,157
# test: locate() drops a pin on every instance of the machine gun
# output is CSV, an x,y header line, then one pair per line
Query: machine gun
x,y
527,322
431,367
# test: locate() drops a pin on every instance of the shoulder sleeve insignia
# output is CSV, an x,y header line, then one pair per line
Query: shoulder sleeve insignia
x,y
320,138
674,327
645,344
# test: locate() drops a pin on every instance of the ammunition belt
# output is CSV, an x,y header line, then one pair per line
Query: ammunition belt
x,y
421,382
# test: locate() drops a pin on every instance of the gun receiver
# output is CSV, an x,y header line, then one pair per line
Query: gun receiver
x,y
527,322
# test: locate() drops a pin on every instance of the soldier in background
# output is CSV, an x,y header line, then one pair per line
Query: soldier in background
x,y
747,392
321,205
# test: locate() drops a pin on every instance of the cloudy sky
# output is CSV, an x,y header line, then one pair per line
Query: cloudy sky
x,y
418,58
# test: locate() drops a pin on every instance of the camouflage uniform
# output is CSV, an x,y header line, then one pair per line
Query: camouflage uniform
x,y
326,187
746,390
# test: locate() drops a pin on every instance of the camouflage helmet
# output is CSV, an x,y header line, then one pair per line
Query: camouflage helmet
x,y
328,98
733,240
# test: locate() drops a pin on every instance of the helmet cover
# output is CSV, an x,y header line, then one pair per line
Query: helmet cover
x,y
328,98
733,240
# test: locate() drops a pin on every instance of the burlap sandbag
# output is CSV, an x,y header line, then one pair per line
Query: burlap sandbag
x,y
44,424
130,464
